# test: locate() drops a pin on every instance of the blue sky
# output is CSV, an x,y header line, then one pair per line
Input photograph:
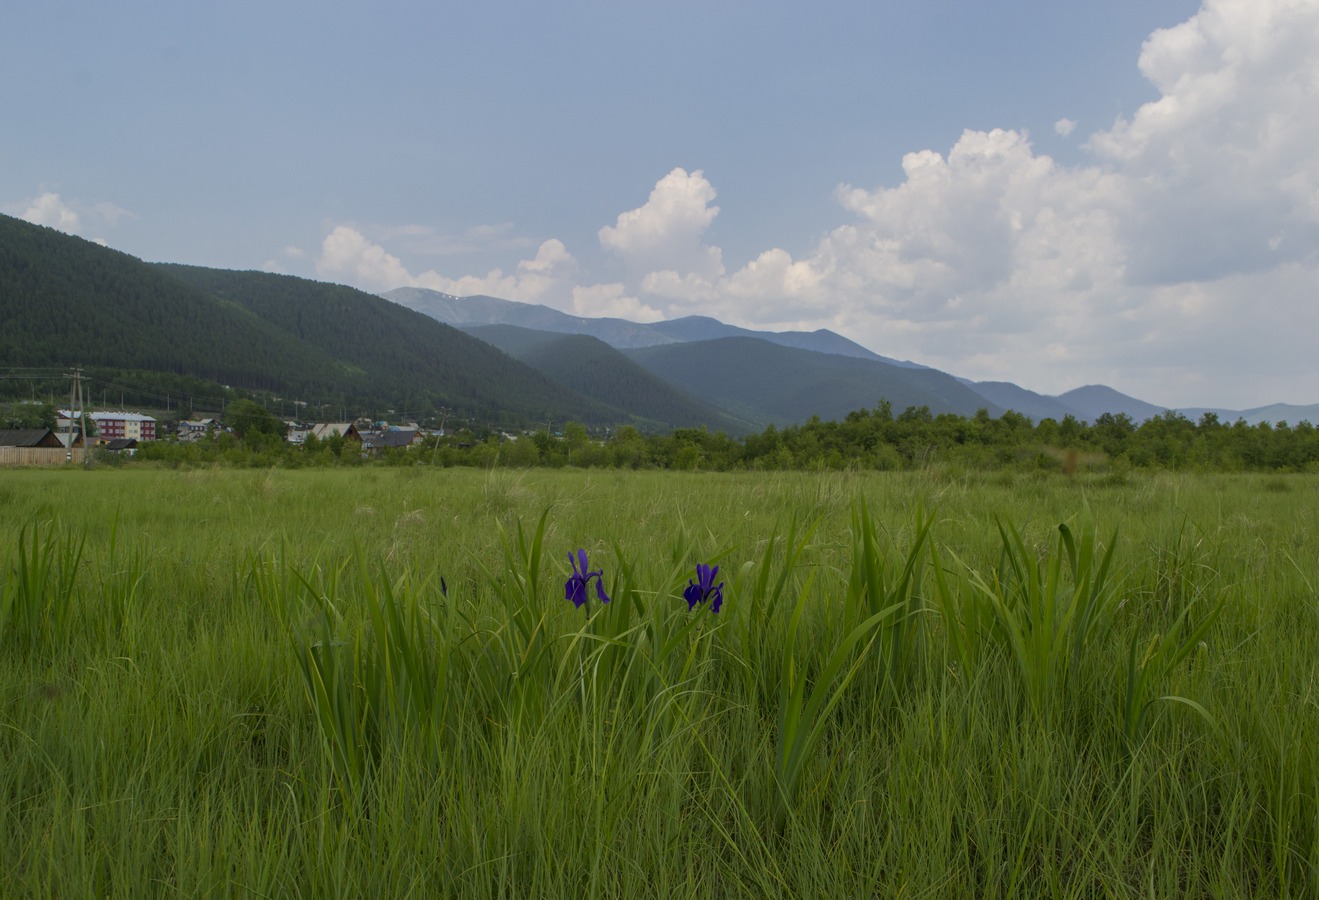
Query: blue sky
x,y
1049,193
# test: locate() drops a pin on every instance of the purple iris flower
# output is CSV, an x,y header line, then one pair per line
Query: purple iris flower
x,y
574,588
704,588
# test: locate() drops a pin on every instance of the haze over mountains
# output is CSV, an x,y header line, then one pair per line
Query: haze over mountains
x,y
163,332
766,385
619,333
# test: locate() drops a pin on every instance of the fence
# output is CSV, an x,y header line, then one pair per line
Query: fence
x,y
38,456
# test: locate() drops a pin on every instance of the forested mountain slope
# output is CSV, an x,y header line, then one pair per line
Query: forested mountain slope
x,y
398,352
769,383
592,367
65,301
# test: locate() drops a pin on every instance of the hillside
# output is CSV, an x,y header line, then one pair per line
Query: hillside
x,y
595,369
619,333
769,383
1028,403
822,340
65,301
155,333
481,310
1093,400
396,352
1277,412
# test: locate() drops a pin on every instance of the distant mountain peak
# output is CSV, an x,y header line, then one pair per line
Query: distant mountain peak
x,y
65,300
1093,400
621,334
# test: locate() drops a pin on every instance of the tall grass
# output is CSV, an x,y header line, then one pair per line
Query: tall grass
x,y
369,683
38,590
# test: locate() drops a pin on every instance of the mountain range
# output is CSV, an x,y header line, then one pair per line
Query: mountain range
x,y
619,333
164,332
762,384
156,332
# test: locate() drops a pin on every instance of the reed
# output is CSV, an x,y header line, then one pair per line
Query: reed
x,y
377,682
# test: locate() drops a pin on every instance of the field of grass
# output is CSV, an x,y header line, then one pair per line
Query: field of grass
x,y
369,683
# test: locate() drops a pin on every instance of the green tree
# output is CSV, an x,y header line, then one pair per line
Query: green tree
x,y
248,418
28,415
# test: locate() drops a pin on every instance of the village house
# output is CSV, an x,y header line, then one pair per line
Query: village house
x,y
347,430
394,438
126,446
113,424
196,429
36,447
132,426
30,437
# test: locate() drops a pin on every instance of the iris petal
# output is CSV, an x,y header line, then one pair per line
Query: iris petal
x,y
703,588
575,587
692,594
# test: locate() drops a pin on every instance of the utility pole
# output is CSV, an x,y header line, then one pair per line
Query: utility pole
x,y
82,406
68,423
77,403
444,415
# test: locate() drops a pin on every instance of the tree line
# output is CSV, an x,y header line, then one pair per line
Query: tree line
x,y
870,439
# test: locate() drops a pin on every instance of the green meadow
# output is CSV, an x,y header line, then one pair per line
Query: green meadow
x,y
368,682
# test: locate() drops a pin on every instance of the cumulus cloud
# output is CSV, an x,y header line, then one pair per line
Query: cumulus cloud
x,y
599,300
68,215
1222,167
679,290
350,257
49,210
1188,238
666,233
542,278
346,255
1187,243
991,216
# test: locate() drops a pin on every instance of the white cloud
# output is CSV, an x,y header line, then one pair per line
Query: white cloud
x,y
49,210
1222,168
547,276
1175,263
679,289
350,257
1189,239
953,226
550,257
600,300
783,290
666,233
289,256
110,213
986,234
70,216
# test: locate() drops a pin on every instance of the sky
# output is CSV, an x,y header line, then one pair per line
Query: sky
x,y
1055,194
